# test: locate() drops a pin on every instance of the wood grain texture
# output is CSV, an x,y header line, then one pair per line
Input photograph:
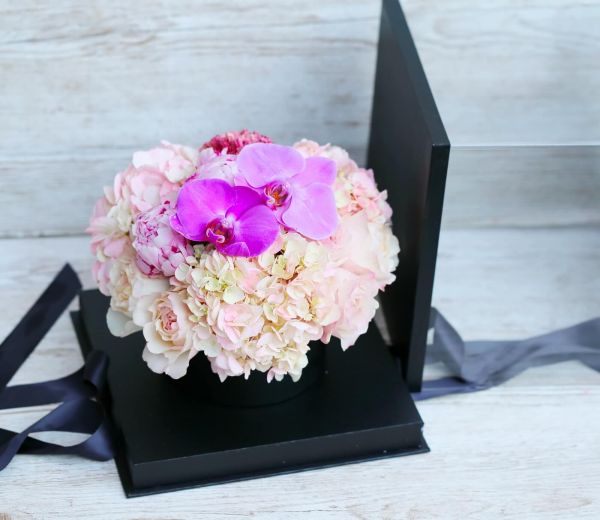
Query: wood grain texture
x,y
509,72
533,456
523,186
487,187
84,87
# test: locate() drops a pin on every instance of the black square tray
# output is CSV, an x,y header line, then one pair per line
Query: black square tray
x,y
171,438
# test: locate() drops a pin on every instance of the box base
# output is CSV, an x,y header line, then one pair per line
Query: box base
x,y
169,438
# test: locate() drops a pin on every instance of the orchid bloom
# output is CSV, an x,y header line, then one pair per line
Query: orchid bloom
x,y
297,190
233,218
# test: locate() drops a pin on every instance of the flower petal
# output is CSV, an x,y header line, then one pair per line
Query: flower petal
x,y
245,198
255,231
260,163
317,169
119,324
199,202
312,211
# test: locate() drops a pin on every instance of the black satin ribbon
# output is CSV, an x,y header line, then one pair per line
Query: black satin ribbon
x,y
78,412
477,365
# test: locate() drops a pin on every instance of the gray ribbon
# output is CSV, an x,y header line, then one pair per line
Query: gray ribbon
x,y
477,365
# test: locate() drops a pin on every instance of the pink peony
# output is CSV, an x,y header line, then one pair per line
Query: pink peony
x,y
233,142
143,188
212,165
176,162
159,250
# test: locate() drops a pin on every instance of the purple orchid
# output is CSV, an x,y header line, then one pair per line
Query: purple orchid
x,y
297,190
233,218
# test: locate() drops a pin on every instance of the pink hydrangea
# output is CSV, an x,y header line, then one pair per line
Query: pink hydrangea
x,y
356,299
159,249
378,256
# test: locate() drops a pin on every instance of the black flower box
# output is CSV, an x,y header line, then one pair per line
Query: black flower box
x,y
170,436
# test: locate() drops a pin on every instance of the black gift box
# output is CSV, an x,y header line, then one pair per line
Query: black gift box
x,y
169,437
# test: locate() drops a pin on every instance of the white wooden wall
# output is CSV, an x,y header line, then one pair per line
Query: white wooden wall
x,y
83,85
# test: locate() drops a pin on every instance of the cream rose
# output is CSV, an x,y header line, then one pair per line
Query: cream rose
x,y
169,335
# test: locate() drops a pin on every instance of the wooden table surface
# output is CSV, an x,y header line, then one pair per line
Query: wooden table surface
x,y
527,449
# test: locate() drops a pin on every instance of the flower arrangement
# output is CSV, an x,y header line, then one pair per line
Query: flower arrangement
x,y
243,250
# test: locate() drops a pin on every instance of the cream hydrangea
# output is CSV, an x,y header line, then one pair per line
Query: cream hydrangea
x,y
262,311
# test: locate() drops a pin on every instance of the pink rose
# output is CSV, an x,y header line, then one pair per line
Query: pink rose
x,y
159,249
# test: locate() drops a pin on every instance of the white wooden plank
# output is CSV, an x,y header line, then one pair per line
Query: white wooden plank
x,y
483,464
487,187
125,76
78,98
83,88
512,283
523,186
512,72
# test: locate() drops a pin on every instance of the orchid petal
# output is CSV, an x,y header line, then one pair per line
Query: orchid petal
x,y
199,202
255,231
312,211
245,198
176,224
317,169
261,163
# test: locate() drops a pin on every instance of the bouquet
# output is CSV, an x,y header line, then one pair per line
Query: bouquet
x,y
243,251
